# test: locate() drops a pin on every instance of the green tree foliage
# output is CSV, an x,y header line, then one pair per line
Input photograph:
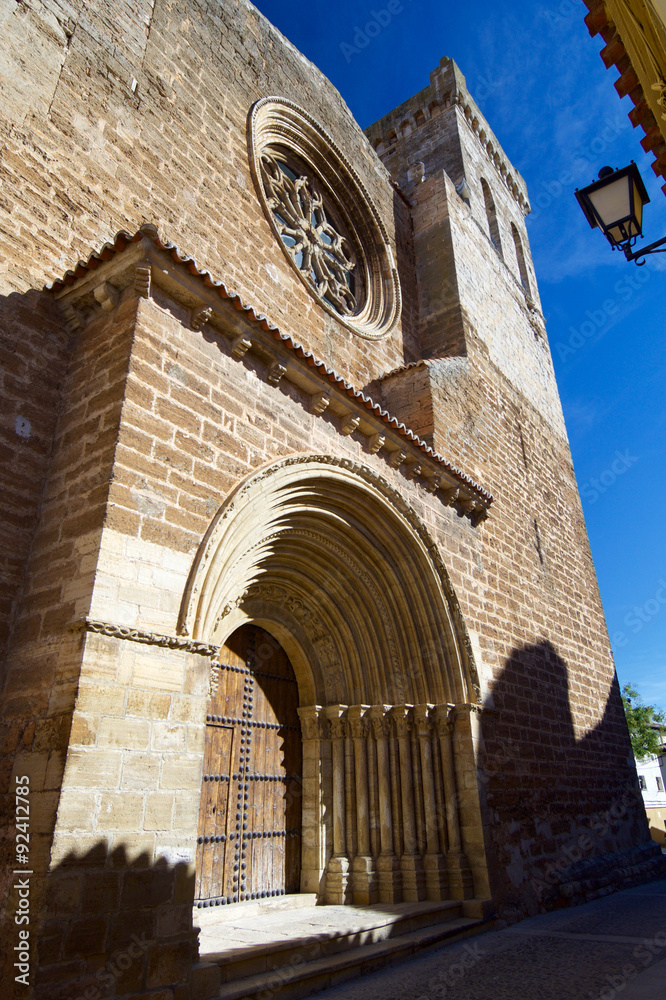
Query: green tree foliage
x,y
641,719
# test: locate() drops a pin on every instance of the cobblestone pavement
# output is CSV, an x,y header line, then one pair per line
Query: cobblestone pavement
x,y
614,947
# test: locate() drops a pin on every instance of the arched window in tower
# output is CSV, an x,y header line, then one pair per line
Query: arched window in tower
x,y
491,213
520,254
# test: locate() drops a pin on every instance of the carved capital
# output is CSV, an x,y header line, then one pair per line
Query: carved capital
x,y
380,721
309,716
357,717
200,317
336,720
443,719
402,716
422,720
240,347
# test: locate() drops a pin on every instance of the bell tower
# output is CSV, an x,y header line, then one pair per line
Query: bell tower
x,y
477,290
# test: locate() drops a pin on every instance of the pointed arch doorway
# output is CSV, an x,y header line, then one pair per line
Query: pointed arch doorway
x,y
332,560
249,831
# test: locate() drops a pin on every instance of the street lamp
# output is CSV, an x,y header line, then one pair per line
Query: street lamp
x,y
614,203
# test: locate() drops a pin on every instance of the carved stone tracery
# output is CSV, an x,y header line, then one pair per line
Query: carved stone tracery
x,y
324,218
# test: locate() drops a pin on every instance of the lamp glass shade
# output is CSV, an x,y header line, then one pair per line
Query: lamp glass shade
x,y
615,204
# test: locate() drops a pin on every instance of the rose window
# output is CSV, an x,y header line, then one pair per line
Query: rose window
x,y
313,240
325,220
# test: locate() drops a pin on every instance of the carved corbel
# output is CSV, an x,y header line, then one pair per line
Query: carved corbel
x,y
107,296
142,280
450,495
467,504
397,458
72,317
275,373
319,402
433,483
375,442
200,317
349,423
414,470
240,347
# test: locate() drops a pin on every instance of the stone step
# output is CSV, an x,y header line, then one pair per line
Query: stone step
x,y
307,975
288,938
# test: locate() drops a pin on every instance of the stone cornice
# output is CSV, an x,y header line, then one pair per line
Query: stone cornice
x,y
145,261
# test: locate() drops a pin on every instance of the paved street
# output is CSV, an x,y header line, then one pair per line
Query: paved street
x,y
612,947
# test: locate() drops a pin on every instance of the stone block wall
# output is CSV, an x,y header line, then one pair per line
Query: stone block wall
x,y
145,420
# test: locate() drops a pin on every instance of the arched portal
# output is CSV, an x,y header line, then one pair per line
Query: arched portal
x,y
332,562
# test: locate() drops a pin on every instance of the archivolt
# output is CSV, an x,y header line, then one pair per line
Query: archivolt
x,y
326,548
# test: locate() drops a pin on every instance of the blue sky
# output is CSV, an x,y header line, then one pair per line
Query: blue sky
x,y
538,78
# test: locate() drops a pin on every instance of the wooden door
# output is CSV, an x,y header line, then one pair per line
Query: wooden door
x,y
249,837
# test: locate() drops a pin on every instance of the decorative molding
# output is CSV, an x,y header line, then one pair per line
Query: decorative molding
x,y
149,638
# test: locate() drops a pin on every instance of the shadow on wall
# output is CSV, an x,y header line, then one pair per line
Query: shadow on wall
x,y
112,926
558,805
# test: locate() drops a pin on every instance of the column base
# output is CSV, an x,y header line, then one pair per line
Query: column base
x,y
388,878
364,880
436,877
461,883
337,880
413,878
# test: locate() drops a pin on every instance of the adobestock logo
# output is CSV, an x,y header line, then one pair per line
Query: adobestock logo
x,y
642,615
597,486
598,321
378,20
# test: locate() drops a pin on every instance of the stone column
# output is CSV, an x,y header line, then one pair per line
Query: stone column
x,y
337,871
411,864
364,876
313,834
434,863
465,724
460,875
388,875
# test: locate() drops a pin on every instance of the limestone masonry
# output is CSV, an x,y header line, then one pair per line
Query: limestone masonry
x,y
297,591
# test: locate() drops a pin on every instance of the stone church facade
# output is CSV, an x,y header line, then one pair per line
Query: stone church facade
x,y
298,596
